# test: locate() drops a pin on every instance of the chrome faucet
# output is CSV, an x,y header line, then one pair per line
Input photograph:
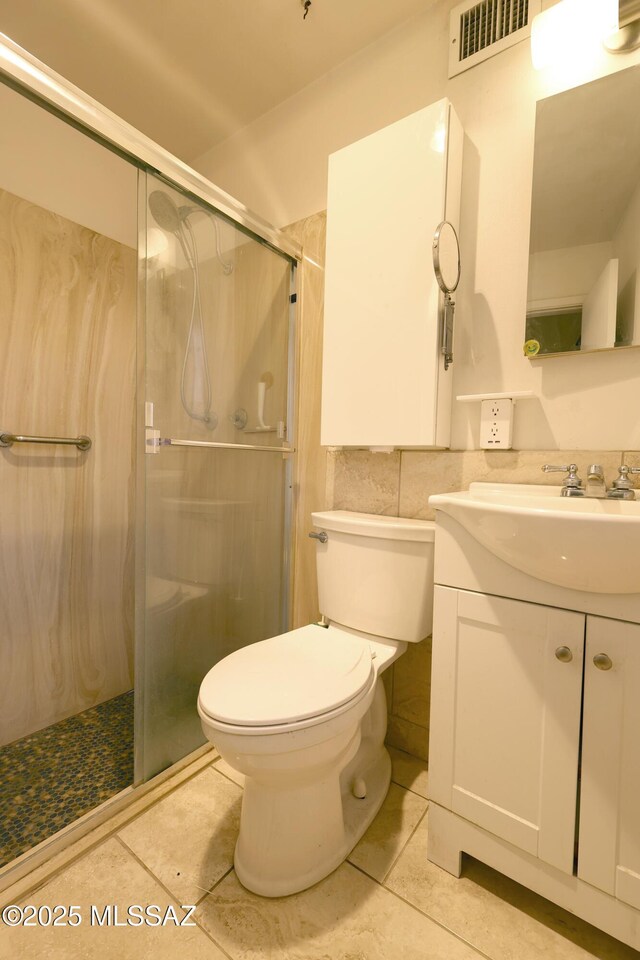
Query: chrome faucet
x,y
595,485
572,484
621,488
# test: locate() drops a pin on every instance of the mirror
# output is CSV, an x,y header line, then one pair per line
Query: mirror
x,y
584,246
446,265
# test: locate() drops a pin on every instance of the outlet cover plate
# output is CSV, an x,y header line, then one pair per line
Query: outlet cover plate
x,y
496,424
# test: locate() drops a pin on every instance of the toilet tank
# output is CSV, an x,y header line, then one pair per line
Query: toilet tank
x,y
375,574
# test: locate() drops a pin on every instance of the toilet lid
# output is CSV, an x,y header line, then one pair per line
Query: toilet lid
x,y
301,674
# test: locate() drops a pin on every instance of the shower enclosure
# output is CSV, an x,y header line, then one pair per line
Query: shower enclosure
x,y
217,414
146,399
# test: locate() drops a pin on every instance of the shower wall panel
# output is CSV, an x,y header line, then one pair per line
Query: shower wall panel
x,y
67,323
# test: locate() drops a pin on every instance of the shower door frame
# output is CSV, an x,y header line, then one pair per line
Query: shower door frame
x,y
32,78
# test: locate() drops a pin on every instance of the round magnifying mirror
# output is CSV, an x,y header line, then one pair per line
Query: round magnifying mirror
x,y
446,257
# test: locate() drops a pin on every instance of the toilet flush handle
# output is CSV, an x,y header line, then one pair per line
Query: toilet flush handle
x,y
322,536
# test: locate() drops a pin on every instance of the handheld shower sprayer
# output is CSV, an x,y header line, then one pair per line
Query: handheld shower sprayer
x,y
174,219
167,215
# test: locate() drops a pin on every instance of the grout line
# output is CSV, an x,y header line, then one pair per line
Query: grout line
x,y
409,790
407,841
423,913
148,870
403,847
212,938
173,897
226,775
216,884
438,923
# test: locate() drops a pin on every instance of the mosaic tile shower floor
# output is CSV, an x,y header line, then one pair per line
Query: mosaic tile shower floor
x,y
54,776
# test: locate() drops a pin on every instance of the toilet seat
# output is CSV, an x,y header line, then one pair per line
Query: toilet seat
x,y
296,679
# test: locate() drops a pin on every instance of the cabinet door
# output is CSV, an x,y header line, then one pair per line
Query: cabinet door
x,y
383,376
609,851
505,719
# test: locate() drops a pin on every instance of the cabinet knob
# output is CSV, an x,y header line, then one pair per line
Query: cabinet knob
x,y
602,661
564,655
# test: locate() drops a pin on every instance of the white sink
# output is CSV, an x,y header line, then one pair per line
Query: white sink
x,y
582,543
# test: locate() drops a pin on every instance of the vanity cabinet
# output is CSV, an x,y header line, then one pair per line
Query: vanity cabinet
x,y
508,697
505,719
609,849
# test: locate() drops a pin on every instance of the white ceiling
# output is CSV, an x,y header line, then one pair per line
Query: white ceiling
x,y
188,73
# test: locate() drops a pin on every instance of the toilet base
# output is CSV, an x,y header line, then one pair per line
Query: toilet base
x,y
294,834
356,816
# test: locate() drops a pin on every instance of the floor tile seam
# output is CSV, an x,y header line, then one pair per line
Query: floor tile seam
x,y
215,884
104,836
212,939
226,776
403,847
173,897
409,790
408,840
426,916
154,876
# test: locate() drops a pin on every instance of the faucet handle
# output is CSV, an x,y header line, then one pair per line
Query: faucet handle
x,y
622,482
572,480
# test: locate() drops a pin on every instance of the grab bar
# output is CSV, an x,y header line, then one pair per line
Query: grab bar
x,y
82,443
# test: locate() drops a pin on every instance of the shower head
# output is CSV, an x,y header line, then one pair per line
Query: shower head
x,y
173,218
165,212
169,216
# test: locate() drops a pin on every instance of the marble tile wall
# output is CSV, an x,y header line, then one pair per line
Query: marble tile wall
x,y
67,327
400,484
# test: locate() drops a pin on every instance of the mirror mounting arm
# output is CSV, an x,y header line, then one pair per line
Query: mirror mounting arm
x,y
446,266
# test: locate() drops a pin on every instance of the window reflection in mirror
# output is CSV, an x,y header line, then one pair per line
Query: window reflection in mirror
x,y
584,248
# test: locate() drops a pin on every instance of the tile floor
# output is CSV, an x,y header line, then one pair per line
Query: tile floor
x,y
385,902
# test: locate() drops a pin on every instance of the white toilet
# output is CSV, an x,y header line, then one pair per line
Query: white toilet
x,y
303,715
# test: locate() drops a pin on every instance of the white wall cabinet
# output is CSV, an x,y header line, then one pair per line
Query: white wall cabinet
x,y
384,383
534,751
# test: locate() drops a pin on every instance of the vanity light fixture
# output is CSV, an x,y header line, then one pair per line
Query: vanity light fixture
x,y
570,28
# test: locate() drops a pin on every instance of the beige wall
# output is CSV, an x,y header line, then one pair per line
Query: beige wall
x,y
278,166
48,162
67,325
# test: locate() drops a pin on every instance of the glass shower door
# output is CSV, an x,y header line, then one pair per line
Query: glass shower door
x,y
214,489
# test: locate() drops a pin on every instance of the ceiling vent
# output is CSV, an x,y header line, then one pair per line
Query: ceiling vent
x,y
480,30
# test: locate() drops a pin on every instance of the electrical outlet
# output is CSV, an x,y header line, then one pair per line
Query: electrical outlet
x,y
496,424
